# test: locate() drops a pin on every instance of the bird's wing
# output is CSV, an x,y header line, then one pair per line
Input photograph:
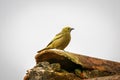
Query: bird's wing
x,y
56,37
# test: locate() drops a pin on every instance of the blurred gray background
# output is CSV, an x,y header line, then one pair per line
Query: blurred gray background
x,y
27,26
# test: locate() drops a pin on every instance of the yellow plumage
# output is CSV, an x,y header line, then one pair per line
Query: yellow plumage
x,y
61,40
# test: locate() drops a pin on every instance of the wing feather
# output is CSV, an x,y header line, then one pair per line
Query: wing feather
x,y
55,38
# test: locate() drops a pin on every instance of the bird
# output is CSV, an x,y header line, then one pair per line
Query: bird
x,y
61,40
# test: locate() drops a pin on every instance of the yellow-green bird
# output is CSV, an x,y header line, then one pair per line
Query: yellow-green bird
x,y
61,40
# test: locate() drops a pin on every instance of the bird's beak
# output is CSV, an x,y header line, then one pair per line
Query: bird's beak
x,y
72,29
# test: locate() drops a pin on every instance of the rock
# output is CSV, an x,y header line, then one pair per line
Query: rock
x,y
46,71
53,64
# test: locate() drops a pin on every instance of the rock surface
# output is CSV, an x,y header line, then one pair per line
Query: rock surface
x,y
53,64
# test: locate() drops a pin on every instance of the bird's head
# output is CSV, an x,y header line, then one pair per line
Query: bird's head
x,y
67,29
